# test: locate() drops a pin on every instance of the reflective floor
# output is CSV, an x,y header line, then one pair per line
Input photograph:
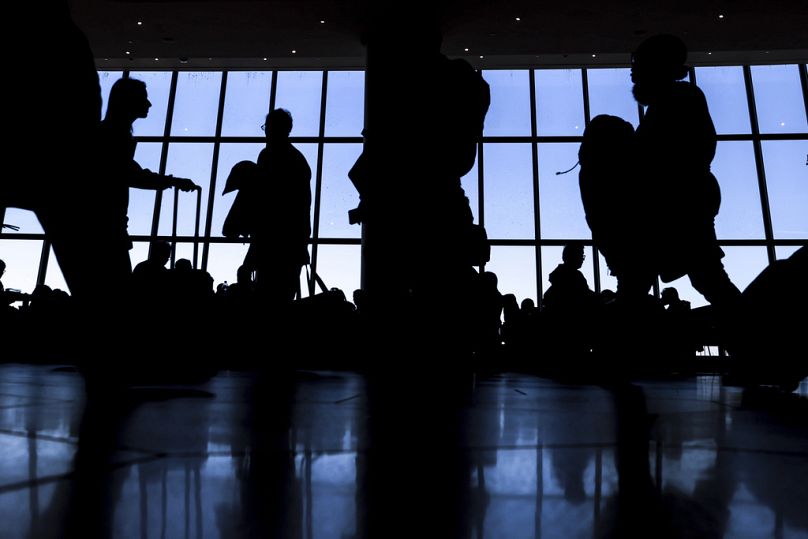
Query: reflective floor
x,y
337,455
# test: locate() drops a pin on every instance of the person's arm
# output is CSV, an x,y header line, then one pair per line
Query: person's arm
x,y
143,178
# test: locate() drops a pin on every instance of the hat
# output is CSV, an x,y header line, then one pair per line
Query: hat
x,y
242,173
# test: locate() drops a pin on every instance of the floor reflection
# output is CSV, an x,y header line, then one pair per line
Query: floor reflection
x,y
306,455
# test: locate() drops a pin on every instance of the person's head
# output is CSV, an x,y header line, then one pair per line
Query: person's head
x,y
669,295
527,304
607,295
573,255
2,268
128,100
278,124
658,62
160,252
243,275
183,264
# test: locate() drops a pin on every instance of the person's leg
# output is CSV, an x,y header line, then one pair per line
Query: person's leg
x,y
710,279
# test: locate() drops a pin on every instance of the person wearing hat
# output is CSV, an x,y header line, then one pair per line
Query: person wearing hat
x,y
675,144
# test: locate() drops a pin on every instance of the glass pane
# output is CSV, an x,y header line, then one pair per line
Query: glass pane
x,y
24,219
338,193
141,201
516,270
779,99
224,260
559,102
53,276
229,155
158,85
340,267
309,151
246,103
785,251
187,161
725,90
509,113
299,93
107,79
508,191
743,264
197,104
740,216
610,93
345,104
22,263
787,180
562,212
551,258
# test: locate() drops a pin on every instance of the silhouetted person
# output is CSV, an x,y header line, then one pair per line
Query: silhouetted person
x,y
150,278
128,101
418,242
673,303
68,95
277,209
190,283
769,337
675,144
244,287
609,193
569,291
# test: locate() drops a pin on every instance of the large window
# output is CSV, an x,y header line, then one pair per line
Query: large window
x,y
202,123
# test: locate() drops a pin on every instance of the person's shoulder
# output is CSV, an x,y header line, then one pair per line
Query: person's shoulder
x,y
688,91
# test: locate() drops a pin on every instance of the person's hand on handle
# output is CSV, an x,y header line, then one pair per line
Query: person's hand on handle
x,y
184,184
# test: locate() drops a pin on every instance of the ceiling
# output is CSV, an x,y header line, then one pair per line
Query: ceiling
x,y
327,33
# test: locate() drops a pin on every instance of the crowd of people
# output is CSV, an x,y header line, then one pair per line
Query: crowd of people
x,y
649,196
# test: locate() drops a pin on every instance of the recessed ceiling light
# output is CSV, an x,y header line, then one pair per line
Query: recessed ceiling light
x,y
518,19
128,52
782,124
721,16
294,51
466,50
140,23
594,56
156,59
481,56
322,22
709,53
265,59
